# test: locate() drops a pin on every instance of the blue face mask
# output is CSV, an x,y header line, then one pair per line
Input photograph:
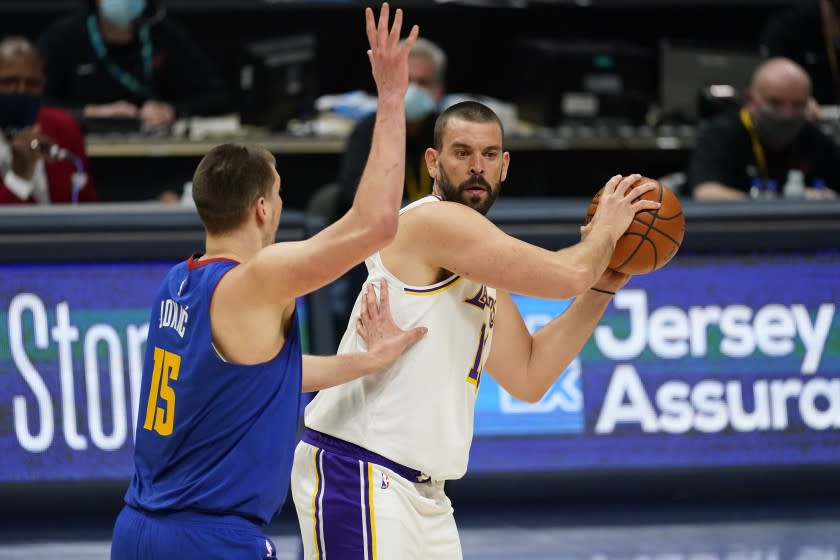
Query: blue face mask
x,y
18,110
122,12
419,103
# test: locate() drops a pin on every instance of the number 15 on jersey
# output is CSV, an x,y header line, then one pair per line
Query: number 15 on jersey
x,y
162,418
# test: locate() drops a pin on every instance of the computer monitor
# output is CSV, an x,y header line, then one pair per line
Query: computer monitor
x,y
688,70
278,81
562,81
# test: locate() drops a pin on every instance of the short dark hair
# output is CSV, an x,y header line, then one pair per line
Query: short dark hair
x,y
227,182
471,111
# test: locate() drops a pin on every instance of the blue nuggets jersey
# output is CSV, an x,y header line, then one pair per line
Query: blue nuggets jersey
x,y
212,436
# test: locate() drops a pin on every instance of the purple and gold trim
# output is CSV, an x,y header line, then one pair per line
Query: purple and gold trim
x,y
433,289
317,498
368,519
343,507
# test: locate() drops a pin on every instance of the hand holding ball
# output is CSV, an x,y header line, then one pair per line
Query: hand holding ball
x,y
654,236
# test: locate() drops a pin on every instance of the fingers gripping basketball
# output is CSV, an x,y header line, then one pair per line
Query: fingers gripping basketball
x,y
654,236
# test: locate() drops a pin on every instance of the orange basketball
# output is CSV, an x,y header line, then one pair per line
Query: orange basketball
x,y
654,236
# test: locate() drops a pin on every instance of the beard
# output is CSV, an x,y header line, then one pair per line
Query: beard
x,y
460,194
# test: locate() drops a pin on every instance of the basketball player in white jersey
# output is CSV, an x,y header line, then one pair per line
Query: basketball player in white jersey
x,y
368,476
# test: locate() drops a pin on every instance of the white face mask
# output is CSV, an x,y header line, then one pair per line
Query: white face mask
x,y
419,103
122,12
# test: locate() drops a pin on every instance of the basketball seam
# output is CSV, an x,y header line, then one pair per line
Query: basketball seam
x,y
635,250
644,236
656,229
648,227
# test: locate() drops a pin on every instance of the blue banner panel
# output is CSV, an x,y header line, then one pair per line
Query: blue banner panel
x,y
71,354
560,411
712,361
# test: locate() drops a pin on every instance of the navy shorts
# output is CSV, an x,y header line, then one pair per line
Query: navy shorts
x,y
186,535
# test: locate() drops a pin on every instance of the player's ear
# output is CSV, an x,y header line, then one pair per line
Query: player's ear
x,y
505,163
431,156
261,209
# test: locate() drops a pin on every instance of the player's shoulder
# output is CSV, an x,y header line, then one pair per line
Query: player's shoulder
x,y
436,211
434,214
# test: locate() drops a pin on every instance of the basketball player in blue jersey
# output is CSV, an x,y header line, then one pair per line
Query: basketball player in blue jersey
x,y
223,369
368,477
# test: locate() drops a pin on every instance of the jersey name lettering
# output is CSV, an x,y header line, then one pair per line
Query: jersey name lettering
x,y
173,316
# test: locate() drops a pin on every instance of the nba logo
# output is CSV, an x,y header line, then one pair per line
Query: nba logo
x,y
386,482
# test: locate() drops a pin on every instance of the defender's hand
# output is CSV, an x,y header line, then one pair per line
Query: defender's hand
x,y
389,59
385,340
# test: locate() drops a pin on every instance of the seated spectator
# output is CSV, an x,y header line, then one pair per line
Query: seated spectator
x,y
426,69
809,34
42,149
766,142
125,59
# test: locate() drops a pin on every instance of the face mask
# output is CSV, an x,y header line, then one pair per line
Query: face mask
x,y
419,103
778,132
122,12
18,110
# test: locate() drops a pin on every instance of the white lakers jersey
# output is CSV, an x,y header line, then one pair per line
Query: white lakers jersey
x,y
419,411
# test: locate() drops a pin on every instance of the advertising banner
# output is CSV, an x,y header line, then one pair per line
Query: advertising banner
x,y
72,340
712,361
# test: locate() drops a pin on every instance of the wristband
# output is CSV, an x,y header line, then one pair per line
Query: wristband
x,y
602,291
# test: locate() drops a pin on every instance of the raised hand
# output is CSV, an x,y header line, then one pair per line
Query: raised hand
x,y
384,339
389,58
620,202
24,151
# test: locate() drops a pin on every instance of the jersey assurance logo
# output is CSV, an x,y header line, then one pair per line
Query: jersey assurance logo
x,y
564,395
560,411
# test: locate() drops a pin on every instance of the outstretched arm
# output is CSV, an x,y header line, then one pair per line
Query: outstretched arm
x,y
372,221
526,365
385,343
456,238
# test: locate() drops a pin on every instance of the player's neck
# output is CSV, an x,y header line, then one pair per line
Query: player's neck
x,y
239,245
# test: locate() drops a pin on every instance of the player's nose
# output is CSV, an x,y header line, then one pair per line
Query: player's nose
x,y
476,165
